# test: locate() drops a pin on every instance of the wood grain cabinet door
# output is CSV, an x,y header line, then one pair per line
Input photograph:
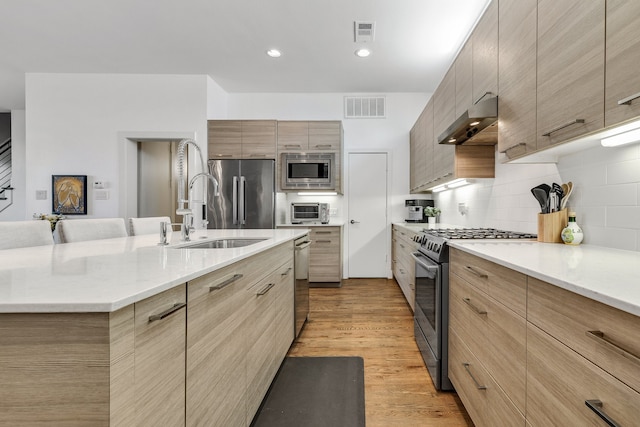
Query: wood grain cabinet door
x,y
325,136
485,55
571,40
622,90
160,326
224,139
293,136
259,139
464,78
517,36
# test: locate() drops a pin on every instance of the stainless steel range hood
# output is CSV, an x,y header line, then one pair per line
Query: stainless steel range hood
x,y
479,124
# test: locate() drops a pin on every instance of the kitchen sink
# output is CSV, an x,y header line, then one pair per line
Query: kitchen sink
x,y
219,244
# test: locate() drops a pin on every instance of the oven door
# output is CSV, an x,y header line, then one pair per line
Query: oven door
x,y
430,317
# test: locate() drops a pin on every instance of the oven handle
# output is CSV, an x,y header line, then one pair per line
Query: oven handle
x,y
419,259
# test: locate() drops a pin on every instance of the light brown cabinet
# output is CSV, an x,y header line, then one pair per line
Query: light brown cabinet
x,y
305,136
522,349
464,78
403,264
570,69
325,254
486,311
622,56
517,35
238,139
485,55
160,324
421,149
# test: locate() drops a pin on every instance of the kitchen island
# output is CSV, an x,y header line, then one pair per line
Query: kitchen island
x,y
127,332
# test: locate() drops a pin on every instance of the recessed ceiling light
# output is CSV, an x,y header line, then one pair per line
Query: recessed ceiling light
x,y
363,53
274,53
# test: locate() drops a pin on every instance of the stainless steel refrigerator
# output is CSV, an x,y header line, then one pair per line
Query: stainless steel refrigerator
x,y
246,196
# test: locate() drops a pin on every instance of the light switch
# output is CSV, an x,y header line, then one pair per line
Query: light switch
x,y
41,194
101,194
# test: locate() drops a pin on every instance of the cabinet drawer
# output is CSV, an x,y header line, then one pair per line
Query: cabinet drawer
x,y
560,381
495,334
572,319
484,400
505,285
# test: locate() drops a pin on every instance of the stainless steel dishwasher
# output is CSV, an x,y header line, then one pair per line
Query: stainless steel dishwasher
x,y
301,272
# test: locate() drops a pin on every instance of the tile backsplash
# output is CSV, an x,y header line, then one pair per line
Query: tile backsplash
x,y
606,196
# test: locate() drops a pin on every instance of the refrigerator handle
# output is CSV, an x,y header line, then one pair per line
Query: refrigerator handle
x,y
235,200
242,214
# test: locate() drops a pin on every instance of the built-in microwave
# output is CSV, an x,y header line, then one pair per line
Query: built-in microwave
x,y
308,171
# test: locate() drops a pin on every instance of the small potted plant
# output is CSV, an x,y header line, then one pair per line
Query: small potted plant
x,y
431,213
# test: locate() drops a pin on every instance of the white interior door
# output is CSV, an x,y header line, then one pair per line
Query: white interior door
x,y
367,221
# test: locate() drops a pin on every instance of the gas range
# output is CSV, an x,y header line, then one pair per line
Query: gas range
x,y
433,241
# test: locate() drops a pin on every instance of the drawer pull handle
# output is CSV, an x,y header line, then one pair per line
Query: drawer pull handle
x,y
477,273
286,273
168,312
520,144
266,289
628,99
599,337
293,145
566,125
321,146
596,406
473,307
225,283
323,241
323,232
478,386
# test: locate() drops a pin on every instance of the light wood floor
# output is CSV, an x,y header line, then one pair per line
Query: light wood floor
x,y
370,318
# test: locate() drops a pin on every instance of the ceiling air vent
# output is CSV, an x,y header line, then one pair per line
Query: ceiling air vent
x,y
363,31
364,107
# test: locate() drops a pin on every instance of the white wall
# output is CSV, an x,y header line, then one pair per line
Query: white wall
x,y
390,134
606,197
75,124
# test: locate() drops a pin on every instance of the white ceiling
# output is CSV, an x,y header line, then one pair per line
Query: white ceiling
x,y
415,42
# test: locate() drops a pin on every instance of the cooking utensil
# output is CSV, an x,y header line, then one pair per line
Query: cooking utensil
x,y
542,196
565,199
558,194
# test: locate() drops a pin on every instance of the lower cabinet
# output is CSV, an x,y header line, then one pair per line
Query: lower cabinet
x,y
523,350
325,254
240,326
403,264
160,359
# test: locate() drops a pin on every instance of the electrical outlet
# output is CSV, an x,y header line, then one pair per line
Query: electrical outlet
x,y
333,211
41,194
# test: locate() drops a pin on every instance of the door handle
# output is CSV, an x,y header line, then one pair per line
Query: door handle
x,y
235,200
242,208
354,222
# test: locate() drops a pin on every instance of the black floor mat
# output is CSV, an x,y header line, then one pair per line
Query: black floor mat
x,y
315,391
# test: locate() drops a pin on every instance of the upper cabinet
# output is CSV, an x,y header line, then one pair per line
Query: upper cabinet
x,y
421,148
622,86
570,90
517,37
237,139
485,54
464,78
309,136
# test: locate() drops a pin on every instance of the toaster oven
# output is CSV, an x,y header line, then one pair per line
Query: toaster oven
x,y
309,212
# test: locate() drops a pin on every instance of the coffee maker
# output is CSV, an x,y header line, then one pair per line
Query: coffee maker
x,y
415,209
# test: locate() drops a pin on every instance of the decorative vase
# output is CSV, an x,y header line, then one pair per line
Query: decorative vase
x,y
572,233
431,219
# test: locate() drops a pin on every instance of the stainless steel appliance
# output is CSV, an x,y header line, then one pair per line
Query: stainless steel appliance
x,y
415,209
309,212
301,273
431,315
311,171
246,196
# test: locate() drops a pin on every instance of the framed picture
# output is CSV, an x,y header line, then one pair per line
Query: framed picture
x,y
69,194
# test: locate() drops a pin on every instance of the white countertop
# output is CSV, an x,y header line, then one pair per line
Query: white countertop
x,y
106,275
313,224
610,276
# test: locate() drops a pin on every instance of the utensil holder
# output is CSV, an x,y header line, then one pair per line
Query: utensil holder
x,y
550,226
